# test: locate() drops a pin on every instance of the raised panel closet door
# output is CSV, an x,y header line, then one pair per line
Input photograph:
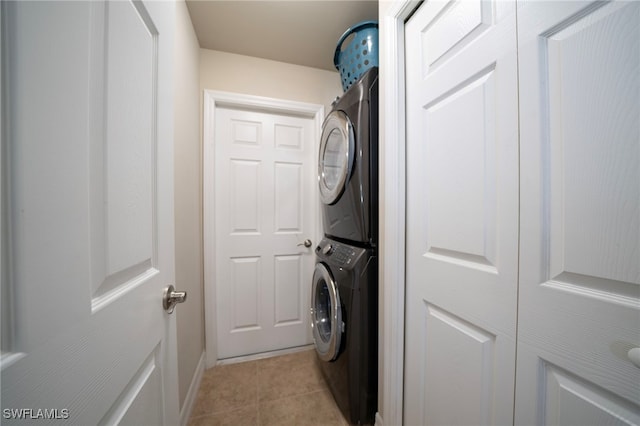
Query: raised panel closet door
x,y
579,308
462,213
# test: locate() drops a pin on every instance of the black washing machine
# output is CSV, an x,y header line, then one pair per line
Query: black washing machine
x,y
344,318
348,164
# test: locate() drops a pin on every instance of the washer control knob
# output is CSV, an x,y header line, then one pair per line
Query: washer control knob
x,y
328,249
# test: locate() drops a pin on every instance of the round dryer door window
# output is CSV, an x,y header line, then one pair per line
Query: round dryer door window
x,y
326,314
336,156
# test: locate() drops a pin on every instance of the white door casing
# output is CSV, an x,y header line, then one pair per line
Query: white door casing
x,y
392,188
89,166
579,307
261,205
462,213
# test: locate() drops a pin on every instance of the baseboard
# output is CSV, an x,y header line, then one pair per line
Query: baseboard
x,y
263,355
192,394
379,421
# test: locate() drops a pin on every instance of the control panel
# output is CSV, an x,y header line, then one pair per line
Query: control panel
x,y
339,254
343,255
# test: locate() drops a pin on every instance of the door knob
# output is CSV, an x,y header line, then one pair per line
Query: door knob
x,y
307,243
634,356
172,297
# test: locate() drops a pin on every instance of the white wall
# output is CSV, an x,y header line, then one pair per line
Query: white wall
x,y
188,200
260,77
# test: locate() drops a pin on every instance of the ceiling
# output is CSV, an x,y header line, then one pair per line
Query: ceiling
x,y
301,32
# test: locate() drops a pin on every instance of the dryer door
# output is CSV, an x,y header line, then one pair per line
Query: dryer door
x,y
326,314
337,148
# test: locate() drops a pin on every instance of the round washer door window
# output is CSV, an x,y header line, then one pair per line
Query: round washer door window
x,y
326,314
336,156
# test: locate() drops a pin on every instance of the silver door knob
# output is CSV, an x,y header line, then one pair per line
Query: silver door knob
x,y
307,243
634,356
172,297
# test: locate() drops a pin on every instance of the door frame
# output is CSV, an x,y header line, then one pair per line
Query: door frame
x,y
392,197
216,99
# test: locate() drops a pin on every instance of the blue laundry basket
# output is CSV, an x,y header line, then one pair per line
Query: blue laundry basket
x,y
359,55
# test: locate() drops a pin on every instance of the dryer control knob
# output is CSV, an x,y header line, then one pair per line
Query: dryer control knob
x,y
327,249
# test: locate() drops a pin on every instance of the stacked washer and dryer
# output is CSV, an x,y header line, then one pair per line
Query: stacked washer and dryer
x,y
344,305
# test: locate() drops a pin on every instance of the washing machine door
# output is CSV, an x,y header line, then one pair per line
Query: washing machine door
x,y
337,148
326,314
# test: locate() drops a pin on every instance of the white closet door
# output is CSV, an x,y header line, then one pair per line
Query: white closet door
x,y
579,311
462,213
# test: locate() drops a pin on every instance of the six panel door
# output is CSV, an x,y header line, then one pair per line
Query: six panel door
x,y
265,178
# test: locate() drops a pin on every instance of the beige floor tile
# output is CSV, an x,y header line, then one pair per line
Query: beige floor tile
x,y
242,417
316,408
227,387
289,375
284,390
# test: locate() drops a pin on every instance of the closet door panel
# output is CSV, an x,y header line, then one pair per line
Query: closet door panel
x,y
462,213
579,299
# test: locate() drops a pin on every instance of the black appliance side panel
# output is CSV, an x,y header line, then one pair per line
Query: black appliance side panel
x,y
363,341
373,162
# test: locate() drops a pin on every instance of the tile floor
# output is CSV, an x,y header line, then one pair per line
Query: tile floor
x,y
283,390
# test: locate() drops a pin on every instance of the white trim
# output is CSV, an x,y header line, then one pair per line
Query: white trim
x,y
192,393
212,100
378,420
208,229
392,211
264,355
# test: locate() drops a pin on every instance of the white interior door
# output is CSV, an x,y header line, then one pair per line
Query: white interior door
x,y
579,312
462,213
265,197
89,200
